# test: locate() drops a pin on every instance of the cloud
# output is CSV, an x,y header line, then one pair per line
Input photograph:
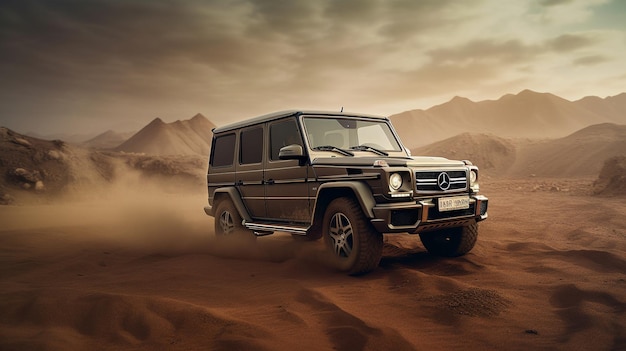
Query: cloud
x,y
590,60
567,12
139,35
486,51
571,42
89,63
554,2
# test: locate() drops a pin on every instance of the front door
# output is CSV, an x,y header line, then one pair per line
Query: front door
x,y
286,186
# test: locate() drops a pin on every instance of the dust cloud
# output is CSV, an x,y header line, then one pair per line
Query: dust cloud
x,y
147,216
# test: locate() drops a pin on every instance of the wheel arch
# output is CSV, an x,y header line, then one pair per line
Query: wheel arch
x,y
329,191
233,194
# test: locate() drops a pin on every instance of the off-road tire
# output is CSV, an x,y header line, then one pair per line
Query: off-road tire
x,y
228,222
451,242
355,245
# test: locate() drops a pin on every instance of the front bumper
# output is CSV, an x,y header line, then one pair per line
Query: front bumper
x,y
423,215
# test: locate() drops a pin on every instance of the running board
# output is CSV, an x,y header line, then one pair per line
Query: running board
x,y
261,229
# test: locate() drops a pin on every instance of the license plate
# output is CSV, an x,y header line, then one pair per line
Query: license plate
x,y
453,203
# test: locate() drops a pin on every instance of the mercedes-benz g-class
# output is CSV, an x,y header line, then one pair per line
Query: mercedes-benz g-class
x,y
342,177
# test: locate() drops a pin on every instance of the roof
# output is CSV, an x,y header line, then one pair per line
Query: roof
x,y
282,114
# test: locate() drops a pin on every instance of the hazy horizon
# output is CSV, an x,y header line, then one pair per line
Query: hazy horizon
x,y
85,67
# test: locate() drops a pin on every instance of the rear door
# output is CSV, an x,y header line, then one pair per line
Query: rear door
x,y
249,178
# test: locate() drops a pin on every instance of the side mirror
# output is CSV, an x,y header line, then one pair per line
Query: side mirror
x,y
291,152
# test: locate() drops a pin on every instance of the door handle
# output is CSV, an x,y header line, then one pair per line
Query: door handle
x,y
269,181
239,182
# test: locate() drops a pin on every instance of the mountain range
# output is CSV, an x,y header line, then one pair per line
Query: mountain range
x,y
518,136
528,114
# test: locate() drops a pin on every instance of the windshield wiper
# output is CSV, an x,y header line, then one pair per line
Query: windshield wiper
x,y
369,148
333,148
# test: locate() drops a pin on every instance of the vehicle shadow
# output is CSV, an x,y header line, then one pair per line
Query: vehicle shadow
x,y
416,257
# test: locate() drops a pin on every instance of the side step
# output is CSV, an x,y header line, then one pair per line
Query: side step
x,y
261,229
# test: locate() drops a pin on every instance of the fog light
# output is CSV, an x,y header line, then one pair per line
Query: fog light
x,y
483,207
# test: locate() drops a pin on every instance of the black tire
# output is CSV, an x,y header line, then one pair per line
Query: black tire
x,y
451,242
228,222
355,245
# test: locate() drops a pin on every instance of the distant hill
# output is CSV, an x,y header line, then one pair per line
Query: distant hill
x,y
580,154
67,137
490,153
526,115
107,140
33,169
189,137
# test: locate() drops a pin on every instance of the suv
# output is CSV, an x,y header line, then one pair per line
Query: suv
x,y
343,177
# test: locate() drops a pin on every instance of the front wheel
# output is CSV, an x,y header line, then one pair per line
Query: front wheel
x,y
355,245
451,242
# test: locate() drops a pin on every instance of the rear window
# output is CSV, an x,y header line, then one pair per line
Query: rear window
x,y
251,146
223,151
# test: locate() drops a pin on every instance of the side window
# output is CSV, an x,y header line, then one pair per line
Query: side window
x,y
251,150
282,134
223,151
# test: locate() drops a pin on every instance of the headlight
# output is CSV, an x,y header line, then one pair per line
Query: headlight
x,y
473,180
473,177
395,181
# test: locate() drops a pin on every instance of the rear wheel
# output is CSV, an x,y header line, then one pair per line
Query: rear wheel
x,y
355,245
451,242
228,222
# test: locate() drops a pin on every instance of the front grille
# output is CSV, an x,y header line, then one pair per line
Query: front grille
x,y
427,181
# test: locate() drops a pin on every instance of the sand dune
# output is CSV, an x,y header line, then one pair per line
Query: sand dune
x,y
137,271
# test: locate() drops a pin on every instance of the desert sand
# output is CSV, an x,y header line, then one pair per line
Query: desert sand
x,y
136,268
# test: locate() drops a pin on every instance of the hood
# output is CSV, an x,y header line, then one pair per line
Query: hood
x,y
415,161
430,161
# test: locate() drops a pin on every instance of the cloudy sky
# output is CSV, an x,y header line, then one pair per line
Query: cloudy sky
x,y
92,65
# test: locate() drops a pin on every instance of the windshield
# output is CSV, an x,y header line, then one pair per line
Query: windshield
x,y
349,133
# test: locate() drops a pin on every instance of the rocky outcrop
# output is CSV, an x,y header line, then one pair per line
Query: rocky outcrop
x,y
612,178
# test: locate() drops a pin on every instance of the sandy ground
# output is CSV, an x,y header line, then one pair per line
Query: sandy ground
x,y
144,272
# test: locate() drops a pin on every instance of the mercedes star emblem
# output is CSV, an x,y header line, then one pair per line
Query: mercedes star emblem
x,y
443,180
